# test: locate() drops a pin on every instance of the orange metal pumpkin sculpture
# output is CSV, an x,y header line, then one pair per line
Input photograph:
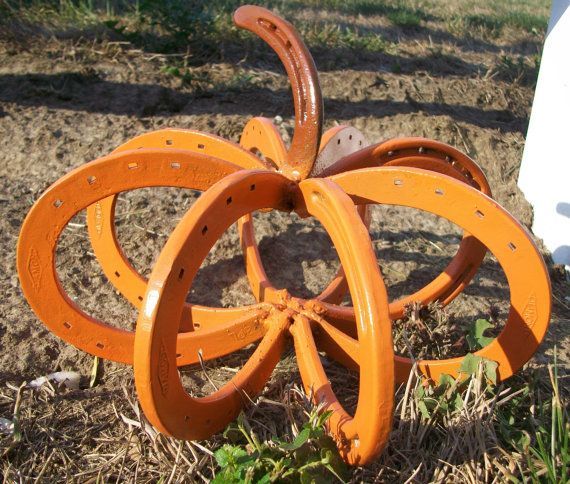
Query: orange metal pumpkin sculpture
x,y
332,177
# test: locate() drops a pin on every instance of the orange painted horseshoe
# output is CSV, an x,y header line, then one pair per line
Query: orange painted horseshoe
x,y
162,396
465,206
160,391
286,42
417,152
362,437
261,136
337,143
101,215
86,185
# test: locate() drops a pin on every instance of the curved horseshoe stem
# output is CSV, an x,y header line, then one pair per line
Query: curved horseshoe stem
x,y
286,42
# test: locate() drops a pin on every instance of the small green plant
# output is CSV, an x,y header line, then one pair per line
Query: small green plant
x,y
517,70
333,36
534,422
405,18
475,336
311,457
446,397
438,400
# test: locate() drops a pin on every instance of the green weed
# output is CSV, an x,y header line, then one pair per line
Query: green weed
x,y
334,36
475,336
494,24
517,69
311,457
405,18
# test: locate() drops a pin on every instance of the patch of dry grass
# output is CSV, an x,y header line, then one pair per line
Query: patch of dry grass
x,y
457,431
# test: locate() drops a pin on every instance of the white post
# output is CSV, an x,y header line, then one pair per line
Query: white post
x,y
545,169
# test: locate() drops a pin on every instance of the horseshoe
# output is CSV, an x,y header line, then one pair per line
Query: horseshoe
x,y
159,388
415,152
85,186
481,216
101,215
307,98
260,136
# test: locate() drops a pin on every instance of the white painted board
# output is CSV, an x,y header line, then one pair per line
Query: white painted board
x,y
545,169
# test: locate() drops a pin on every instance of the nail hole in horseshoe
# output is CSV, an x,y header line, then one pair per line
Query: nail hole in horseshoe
x,y
169,142
133,166
228,200
91,179
204,230
181,274
58,203
252,187
175,165
360,143
439,191
512,246
398,182
350,137
201,146
178,355
67,325
338,141
479,214
117,274
140,298
100,345
196,325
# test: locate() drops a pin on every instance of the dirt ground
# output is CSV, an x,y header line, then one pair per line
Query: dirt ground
x,y
67,101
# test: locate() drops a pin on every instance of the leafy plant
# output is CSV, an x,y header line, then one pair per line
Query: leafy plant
x,y
475,336
446,396
311,457
471,363
440,399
